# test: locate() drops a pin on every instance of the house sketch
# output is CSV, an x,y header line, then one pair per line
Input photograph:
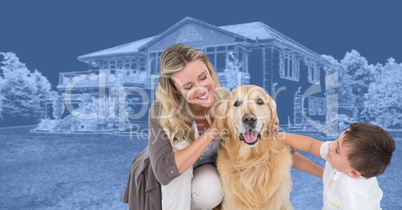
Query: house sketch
x,y
292,74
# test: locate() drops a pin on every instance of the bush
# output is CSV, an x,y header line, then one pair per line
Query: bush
x,y
47,125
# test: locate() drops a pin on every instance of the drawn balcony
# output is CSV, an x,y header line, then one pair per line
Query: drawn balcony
x,y
102,78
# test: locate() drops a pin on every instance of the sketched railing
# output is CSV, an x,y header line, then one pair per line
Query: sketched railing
x,y
95,78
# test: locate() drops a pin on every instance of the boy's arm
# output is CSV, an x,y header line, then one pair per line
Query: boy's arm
x,y
303,164
302,143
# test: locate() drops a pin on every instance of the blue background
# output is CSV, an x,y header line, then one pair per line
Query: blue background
x,y
50,35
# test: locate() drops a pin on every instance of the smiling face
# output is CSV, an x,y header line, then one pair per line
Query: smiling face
x,y
250,115
195,84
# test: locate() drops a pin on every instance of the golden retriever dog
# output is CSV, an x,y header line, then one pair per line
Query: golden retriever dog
x,y
254,165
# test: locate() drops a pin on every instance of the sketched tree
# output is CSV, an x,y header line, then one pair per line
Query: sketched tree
x,y
360,74
345,95
24,92
57,105
384,98
1,96
88,104
232,72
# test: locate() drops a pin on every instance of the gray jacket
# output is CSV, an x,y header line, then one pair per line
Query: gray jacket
x,y
143,191
154,166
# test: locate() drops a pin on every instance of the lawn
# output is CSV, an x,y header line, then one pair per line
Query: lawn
x,y
89,171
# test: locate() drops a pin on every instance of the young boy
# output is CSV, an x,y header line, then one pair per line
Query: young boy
x,y
353,161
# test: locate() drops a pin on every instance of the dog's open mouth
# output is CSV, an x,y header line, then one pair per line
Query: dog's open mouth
x,y
250,137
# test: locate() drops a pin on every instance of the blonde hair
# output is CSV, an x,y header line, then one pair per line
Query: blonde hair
x,y
174,113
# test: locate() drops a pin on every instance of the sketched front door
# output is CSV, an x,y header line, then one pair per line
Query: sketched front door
x,y
298,116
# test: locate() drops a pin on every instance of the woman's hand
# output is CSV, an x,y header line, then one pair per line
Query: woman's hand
x,y
212,131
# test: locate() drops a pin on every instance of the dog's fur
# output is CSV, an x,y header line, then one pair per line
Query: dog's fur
x,y
254,175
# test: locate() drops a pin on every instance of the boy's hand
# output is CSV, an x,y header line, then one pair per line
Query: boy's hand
x,y
276,127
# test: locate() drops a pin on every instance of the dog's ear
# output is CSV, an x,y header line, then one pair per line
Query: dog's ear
x,y
220,114
272,121
220,119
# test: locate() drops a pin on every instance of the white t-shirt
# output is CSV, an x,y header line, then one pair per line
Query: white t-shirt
x,y
211,152
343,192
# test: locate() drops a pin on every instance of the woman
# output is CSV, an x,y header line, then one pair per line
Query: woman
x,y
182,146
187,92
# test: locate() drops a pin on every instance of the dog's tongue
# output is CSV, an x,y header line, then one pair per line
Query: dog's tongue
x,y
250,136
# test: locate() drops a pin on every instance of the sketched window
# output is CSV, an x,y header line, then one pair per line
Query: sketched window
x,y
141,64
220,62
153,67
154,62
289,67
321,106
211,58
112,65
313,72
312,105
134,64
218,56
316,105
106,65
126,64
119,64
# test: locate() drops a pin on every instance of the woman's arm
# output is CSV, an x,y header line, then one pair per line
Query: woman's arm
x,y
186,157
303,164
161,154
166,164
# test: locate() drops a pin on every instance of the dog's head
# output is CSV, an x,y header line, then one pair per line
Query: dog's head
x,y
248,115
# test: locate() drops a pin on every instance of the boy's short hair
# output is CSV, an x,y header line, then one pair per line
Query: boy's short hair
x,y
370,148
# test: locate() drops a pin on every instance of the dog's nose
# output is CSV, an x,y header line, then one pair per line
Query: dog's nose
x,y
249,118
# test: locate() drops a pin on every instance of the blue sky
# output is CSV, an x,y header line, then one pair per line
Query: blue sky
x,y
50,35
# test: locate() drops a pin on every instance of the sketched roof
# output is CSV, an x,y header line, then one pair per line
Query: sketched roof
x,y
183,22
131,47
254,31
249,30
261,31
